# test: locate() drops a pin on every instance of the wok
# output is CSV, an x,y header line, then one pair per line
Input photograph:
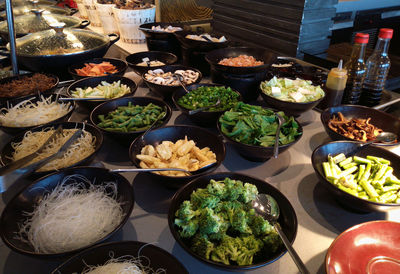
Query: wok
x,y
58,48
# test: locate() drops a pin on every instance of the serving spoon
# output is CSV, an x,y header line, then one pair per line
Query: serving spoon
x,y
384,137
281,120
180,78
267,207
194,111
128,169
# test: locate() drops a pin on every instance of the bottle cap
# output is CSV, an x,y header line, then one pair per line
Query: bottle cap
x,y
386,33
361,38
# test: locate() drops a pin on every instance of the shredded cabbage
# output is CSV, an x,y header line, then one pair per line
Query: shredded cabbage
x,y
300,91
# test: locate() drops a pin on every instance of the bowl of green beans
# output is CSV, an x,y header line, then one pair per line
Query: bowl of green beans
x,y
362,180
128,117
204,95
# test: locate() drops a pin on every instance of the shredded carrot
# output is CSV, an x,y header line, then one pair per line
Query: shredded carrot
x,y
92,69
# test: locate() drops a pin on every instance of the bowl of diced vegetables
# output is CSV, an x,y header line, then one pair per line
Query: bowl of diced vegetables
x,y
98,67
294,96
96,90
251,130
204,95
128,117
212,219
364,179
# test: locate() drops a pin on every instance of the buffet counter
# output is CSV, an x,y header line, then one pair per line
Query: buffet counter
x,y
320,217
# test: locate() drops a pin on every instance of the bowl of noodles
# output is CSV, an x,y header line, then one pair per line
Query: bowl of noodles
x,y
115,257
67,211
25,113
82,151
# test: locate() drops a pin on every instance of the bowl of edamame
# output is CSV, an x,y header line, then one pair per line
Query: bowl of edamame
x,y
205,95
127,118
363,180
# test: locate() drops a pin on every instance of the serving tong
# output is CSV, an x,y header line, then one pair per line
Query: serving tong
x,y
16,170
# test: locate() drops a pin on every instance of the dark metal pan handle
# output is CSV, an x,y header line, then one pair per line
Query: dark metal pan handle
x,y
113,38
84,24
73,11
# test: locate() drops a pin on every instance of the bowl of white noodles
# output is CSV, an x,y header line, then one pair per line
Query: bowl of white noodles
x,y
66,212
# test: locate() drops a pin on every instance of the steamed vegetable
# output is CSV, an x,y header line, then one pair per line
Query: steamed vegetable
x,y
369,178
221,225
131,118
104,90
206,96
255,125
300,91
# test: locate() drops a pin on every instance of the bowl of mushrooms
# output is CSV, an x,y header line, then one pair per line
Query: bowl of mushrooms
x,y
165,81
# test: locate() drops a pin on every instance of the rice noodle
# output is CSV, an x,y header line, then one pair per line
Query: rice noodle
x,y
124,265
75,214
32,141
28,113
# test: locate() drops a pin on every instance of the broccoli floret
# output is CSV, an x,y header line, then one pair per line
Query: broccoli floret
x,y
224,225
233,189
239,221
272,241
227,250
202,246
209,222
216,188
185,211
201,198
189,228
260,226
249,246
249,193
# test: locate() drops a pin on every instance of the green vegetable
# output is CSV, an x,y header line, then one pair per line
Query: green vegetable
x,y
206,96
131,118
301,91
255,125
369,178
221,225
104,90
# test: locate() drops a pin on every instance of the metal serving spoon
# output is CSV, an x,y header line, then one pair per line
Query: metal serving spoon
x,y
180,79
384,137
191,112
128,169
281,120
267,207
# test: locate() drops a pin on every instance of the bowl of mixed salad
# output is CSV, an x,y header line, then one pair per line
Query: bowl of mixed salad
x,y
212,219
251,130
218,98
293,96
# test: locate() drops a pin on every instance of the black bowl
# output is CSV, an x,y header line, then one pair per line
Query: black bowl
x,y
7,150
290,108
196,44
136,58
149,33
287,218
202,138
167,91
14,130
100,254
215,56
46,92
13,214
120,65
379,119
127,137
204,118
258,153
320,155
95,81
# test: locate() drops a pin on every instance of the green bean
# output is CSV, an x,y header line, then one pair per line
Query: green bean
x,y
131,118
370,178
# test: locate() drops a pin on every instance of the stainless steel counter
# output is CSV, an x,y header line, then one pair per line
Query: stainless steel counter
x,y
320,218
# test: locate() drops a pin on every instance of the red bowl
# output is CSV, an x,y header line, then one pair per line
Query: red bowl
x,y
371,247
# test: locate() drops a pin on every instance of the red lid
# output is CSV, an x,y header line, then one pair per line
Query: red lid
x,y
386,33
361,38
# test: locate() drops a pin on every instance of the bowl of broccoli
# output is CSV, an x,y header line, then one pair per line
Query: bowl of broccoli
x,y
212,219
